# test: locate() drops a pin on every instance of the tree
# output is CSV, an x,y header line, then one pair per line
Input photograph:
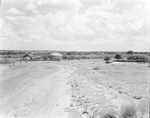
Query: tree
x,y
130,52
107,59
117,56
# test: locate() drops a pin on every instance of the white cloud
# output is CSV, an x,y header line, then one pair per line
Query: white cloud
x,y
72,22
46,6
14,11
55,20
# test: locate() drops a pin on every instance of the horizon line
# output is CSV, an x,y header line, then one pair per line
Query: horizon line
x,y
72,50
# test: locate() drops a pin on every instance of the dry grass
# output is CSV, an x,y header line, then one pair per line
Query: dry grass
x,y
7,61
143,108
128,111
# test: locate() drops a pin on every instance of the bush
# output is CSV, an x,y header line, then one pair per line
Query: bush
x,y
65,57
109,116
107,59
130,52
137,58
128,111
96,68
44,57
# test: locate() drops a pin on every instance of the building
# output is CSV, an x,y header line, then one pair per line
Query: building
x,y
55,57
27,57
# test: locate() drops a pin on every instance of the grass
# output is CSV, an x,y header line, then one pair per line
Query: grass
x,y
143,108
7,61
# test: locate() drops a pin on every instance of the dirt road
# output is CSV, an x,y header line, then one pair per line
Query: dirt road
x,y
36,95
72,89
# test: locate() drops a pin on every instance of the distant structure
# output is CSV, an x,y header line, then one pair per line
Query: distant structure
x,y
26,58
55,57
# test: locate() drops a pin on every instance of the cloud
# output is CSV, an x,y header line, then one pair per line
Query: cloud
x,y
127,5
14,11
90,25
55,20
46,6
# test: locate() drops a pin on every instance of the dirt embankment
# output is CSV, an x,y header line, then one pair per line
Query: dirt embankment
x,y
104,92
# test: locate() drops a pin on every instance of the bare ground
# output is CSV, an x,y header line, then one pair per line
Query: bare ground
x,y
72,89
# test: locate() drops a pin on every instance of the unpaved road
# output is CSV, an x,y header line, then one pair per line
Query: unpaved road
x,y
41,92
73,89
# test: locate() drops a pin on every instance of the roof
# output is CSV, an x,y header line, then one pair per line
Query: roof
x,y
26,55
56,54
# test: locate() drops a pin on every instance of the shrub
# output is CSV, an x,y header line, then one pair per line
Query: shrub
x,y
138,58
128,111
65,57
109,113
109,116
130,52
96,68
107,59
44,57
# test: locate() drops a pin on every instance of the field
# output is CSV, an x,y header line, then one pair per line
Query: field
x,y
85,88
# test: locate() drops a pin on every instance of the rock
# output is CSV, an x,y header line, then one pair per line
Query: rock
x,y
85,112
136,97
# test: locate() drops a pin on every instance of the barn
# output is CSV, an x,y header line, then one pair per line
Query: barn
x,y
55,57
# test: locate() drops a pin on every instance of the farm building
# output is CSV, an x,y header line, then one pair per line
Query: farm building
x,y
55,56
27,56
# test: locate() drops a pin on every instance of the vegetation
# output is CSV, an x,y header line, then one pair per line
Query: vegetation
x,y
72,55
7,61
130,52
96,68
107,59
44,57
128,111
109,116
117,56
137,58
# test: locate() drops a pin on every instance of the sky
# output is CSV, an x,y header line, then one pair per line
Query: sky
x,y
75,25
